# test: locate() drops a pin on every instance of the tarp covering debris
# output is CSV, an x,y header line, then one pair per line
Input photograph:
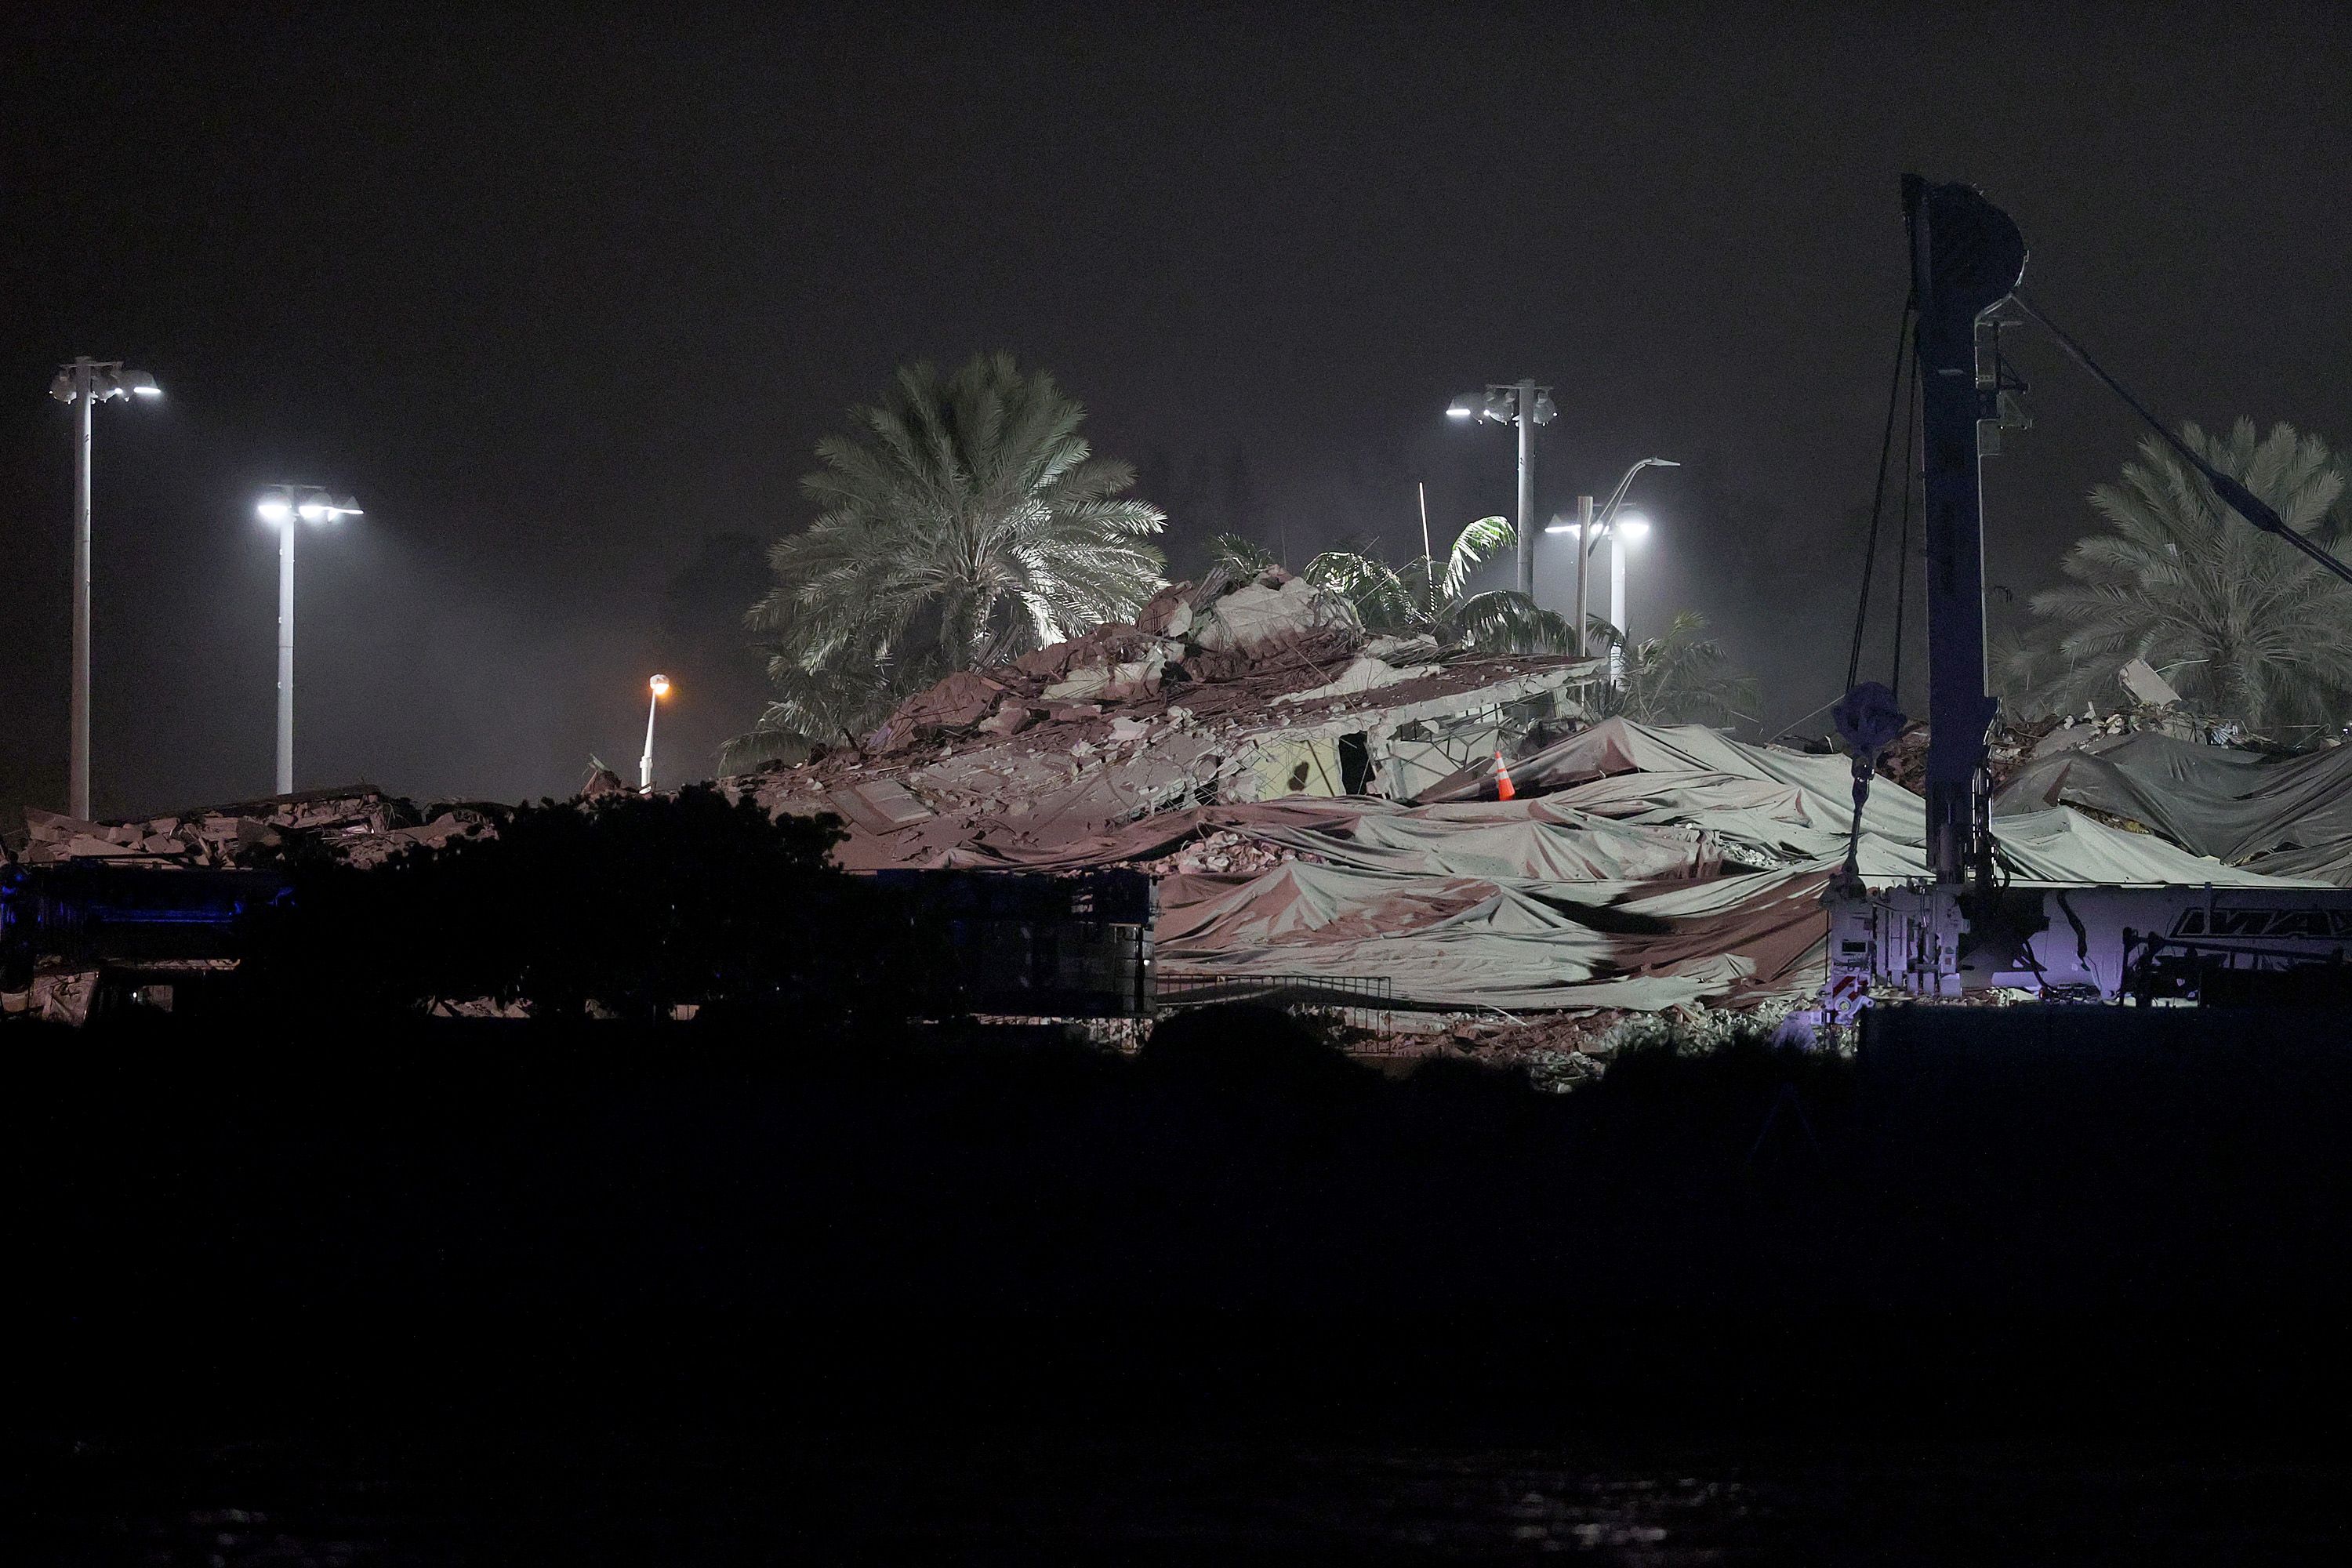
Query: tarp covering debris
x,y
2288,817
1638,867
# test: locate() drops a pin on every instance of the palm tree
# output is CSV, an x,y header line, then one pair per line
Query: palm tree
x,y
1420,596
965,522
1682,678
1241,558
2244,627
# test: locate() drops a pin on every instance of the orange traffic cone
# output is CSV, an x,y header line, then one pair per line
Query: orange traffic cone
x,y
1503,790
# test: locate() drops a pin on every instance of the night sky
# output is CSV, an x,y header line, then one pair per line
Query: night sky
x,y
567,300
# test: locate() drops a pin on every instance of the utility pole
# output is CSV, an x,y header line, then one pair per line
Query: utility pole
x,y
286,507
660,685
1527,569
286,659
83,382
1583,564
77,769
1428,562
1617,542
1527,405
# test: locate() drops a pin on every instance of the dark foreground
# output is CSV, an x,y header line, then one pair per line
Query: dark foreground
x,y
608,1294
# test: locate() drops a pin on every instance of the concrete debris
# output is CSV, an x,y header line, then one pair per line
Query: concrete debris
x,y
2147,688
63,996
1225,852
1224,691
358,826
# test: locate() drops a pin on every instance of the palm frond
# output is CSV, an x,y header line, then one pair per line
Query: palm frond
x,y
2253,631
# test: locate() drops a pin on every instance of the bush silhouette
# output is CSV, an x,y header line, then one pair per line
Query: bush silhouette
x,y
634,904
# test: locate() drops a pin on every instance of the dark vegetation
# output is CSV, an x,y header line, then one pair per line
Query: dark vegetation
x,y
896,1224
633,904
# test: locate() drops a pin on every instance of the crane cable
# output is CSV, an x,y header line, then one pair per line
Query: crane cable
x,y
2234,495
1878,494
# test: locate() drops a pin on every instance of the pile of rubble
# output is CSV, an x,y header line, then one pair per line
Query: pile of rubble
x,y
358,825
2011,744
1225,691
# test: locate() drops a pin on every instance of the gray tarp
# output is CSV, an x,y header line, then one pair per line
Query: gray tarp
x,y
2290,817
1598,894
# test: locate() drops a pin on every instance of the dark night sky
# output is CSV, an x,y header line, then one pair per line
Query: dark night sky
x,y
565,300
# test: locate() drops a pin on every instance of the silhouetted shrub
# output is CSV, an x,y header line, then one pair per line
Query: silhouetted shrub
x,y
1246,1046
634,904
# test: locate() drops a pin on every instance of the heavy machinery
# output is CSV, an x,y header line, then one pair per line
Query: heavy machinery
x,y
1963,927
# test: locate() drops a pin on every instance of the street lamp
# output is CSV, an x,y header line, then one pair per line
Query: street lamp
x,y
1526,405
1589,533
83,384
280,507
660,684
1625,532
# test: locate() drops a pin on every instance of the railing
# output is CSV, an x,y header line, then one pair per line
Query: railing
x,y
1367,1002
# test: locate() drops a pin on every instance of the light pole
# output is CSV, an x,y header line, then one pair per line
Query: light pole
x,y
83,382
660,684
1590,533
281,506
1623,533
1526,405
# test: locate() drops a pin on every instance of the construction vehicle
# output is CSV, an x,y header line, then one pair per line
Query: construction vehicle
x,y
1964,928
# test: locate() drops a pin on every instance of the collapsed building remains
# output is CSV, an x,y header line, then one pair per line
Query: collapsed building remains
x,y
1453,829
1317,804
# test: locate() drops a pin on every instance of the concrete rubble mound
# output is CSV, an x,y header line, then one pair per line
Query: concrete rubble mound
x,y
357,825
1452,833
1225,692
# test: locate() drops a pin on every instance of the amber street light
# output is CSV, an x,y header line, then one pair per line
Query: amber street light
x,y
645,764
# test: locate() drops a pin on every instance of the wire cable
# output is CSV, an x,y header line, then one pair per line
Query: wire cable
x,y
1878,493
2237,497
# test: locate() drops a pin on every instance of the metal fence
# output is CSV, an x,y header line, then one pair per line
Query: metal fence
x,y
1366,1002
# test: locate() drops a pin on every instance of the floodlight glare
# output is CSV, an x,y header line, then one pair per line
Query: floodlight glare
x,y
140,382
1633,526
1460,408
280,505
661,685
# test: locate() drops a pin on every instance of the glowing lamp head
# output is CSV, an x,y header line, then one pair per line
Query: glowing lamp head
x,y
661,685
276,509
1461,410
1633,528
312,511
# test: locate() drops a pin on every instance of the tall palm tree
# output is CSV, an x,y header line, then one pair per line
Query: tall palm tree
x,y
966,522
1427,595
1682,678
2244,626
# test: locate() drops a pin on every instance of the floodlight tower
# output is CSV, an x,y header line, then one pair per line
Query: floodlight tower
x,y
1527,406
281,506
83,382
